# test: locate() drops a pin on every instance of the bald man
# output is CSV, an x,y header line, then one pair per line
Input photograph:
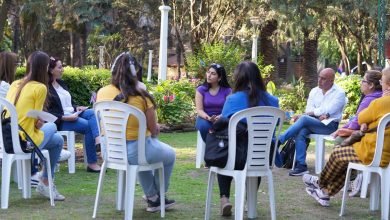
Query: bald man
x,y
322,116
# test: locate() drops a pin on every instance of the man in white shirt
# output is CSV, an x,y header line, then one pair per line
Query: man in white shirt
x,y
322,116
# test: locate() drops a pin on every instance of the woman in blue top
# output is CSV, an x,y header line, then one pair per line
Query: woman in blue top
x,y
210,97
248,91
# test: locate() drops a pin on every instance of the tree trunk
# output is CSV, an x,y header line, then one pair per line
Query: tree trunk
x,y
310,60
16,35
267,48
3,17
71,47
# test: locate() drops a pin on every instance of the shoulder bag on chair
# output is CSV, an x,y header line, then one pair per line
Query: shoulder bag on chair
x,y
216,152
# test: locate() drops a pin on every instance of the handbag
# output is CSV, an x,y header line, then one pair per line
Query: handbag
x,y
217,141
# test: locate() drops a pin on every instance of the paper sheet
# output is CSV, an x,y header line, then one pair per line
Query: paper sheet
x,y
45,116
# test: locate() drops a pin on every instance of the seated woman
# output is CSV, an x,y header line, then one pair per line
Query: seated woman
x,y
71,117
332,177
248,91
371,90
28,94
124,88
7,71
210,97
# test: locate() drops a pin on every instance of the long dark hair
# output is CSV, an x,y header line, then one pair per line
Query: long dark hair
x,y
8,66
221,74
247,78
52,65
125,79
37,64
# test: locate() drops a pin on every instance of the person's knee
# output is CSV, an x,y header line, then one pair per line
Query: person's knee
x,y
50,126
58,140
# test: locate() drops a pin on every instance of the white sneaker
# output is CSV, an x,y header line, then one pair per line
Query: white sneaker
x,y
35,180
310,181
45,191
65,154
356,184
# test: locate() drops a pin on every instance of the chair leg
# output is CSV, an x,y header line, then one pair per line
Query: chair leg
x,y
209,196
49,176
295,157
26,176
5,180
99,188
71,148
385,195
319,151
374,191
271,196
131,179
345,191
200,148
162,191
365,182
240,196
120,192
19,173
252,196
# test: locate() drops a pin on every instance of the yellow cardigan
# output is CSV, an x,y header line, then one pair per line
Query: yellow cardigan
x,y
32,97
365,149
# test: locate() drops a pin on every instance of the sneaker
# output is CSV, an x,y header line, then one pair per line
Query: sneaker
x,y
356,184
154,206
299,170
45,191
65,154
226,206
319,195
34,180
310,181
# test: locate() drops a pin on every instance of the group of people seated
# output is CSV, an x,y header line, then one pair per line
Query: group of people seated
x,y
322,115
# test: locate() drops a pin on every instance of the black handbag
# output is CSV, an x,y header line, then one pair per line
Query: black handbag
x,y
7,136
216,152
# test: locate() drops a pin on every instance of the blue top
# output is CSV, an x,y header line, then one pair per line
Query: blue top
x,y
213,104
239,101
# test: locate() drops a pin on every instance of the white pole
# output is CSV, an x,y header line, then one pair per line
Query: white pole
x,y
254,48
101,57
149,78
162,63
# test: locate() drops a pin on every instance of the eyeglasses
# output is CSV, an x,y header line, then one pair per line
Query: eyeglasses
x,y
52,58
216,65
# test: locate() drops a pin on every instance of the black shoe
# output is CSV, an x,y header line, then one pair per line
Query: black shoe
x,y
89,169
98,148
154,206
299,170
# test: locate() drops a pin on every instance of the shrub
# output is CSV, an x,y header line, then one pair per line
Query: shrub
x,y
175,100
292,97
351,86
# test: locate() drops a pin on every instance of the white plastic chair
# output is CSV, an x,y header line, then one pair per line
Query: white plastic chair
x,y
70,138
380,176
19,155
200,149
262,125
113,122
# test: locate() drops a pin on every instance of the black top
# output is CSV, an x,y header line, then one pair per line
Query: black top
x,y
54,103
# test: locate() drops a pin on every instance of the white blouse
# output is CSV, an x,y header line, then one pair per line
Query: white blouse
x,y
66,100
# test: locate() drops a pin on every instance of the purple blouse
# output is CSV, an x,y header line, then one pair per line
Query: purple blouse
x,y
213,104
353,123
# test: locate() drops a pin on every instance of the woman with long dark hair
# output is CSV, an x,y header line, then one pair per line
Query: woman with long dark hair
x,y
28,94
248,91
124,88
210,97
7,71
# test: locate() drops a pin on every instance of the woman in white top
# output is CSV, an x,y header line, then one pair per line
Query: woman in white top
x,y
7,71
70,116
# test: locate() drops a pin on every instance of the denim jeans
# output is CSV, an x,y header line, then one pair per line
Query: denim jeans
x,y
85,124
53,142
301,129
203,126
156,151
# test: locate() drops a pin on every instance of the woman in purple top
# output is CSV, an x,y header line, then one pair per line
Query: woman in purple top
x,y
210,97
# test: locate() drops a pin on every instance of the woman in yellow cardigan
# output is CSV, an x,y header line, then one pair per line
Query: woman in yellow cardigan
x,y
332,177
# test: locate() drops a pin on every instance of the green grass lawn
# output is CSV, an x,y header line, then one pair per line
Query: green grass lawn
x,y
188,187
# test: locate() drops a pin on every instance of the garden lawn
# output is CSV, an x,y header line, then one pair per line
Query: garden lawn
x,y
188,187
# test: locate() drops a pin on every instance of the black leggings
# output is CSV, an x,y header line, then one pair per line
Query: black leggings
x,y
225,182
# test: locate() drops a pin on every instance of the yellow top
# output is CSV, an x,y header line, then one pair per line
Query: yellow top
x,y
32,97
365,149
108,93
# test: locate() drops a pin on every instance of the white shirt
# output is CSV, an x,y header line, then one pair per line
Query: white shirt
x,y
332,103
66,100
4,87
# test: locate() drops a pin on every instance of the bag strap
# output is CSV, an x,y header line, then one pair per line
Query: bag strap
x,y
35,149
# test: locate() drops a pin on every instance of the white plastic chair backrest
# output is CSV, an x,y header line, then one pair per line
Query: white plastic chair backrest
x,y
5,104
113,118
262,122
380,140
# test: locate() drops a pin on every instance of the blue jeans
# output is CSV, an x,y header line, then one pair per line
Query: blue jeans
x,y
203,126
301,129
85,124
156,151
53,142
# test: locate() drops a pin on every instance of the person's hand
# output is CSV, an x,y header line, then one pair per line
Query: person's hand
x,y
295,118
157,131
213,118
39,123
72,117
217,117
363,127
335,134
81,108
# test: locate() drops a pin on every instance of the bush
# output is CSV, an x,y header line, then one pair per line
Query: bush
x,y
351,86
292,97
175,100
